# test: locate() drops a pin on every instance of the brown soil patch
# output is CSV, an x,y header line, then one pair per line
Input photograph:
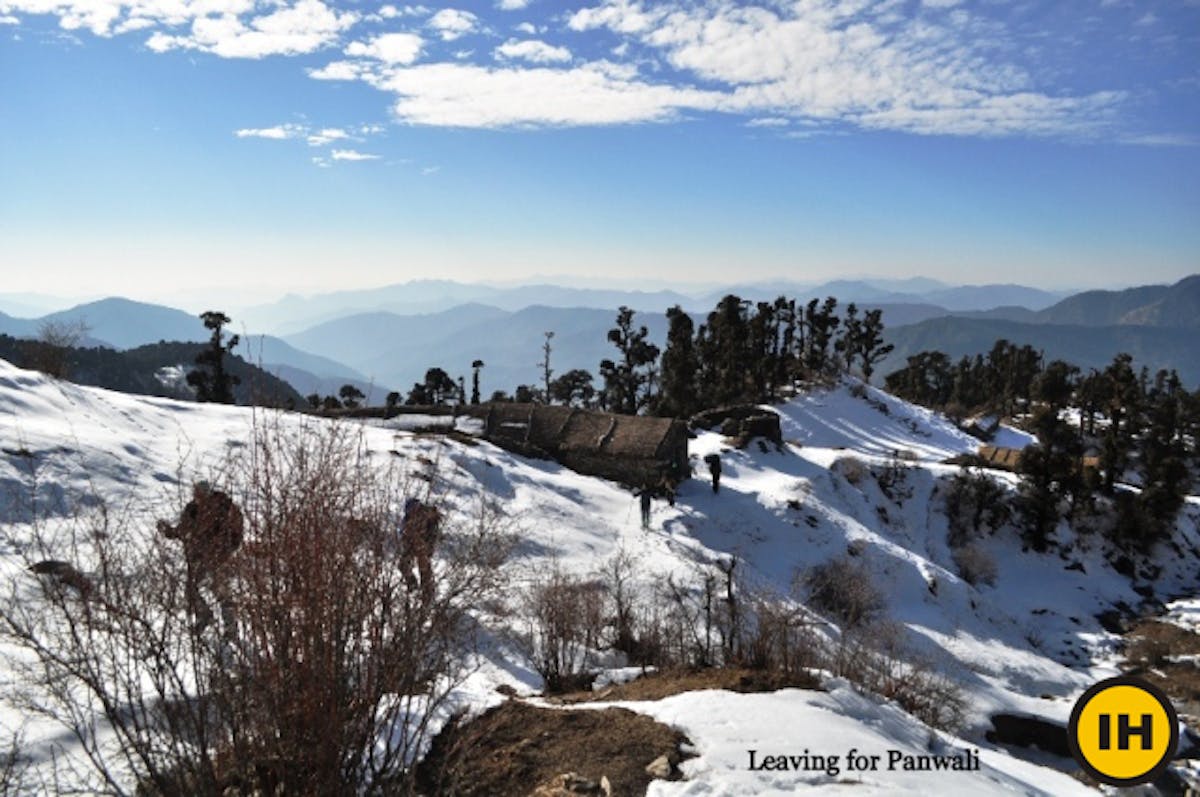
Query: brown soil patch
x,y
1150,649
657,685
515,747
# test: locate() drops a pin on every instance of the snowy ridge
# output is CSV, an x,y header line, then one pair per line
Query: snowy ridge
x,y
1029,644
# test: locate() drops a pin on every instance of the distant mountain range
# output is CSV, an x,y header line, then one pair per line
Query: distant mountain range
x,y
449,324
294,314
125,324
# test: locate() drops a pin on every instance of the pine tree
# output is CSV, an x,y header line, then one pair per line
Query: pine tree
x,y
1050,473
729,340
1121,403
476,365
350,396
680,367
210,379
547,371
574,388
870,348
1162,458
628,382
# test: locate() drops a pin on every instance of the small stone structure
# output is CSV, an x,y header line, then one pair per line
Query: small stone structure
x,y
632,449
742,423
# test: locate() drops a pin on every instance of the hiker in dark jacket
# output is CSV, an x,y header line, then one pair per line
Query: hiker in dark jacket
x,y
211,529
714,468
419,534
644,497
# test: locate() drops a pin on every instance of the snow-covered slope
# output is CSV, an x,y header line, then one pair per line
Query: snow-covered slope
x,y
1028,644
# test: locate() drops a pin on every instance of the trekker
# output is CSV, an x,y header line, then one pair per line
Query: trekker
x,y
419,533
211,529
714,468
644,501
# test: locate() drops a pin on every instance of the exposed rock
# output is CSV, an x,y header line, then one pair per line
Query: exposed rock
x,y
569,784
660,768
1026,731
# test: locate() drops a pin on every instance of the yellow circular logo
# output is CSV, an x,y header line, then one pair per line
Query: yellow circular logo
x,y
1123,731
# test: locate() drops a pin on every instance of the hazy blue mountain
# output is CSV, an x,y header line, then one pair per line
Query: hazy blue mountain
x,y
272,352
17,327
31,305
1085,346
124,324
364,340
1101,308
397,350
1154,305
294,315
987,297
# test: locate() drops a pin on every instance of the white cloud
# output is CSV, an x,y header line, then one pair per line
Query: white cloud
x,y
304,27
391,48
391,12
451,23
527,28
9,20
532,50
276,133
428,170
940,3
340,70
352,155
511,5
1147,19
836,61
1163,140
769,121
465,95
320,138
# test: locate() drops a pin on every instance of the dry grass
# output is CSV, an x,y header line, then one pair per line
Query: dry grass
x,y
1168,656
514,747
657,685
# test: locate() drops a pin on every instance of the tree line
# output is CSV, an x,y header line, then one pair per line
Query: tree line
x,y
742,352
1095,430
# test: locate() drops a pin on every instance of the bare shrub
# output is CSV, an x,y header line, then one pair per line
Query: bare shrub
x,y
324,670
852,469
975,565
52,350
781,638
564,617
875,659
13,766
844,589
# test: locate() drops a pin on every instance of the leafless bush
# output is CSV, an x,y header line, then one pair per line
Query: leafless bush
x,y
564,618
781,637
52,354
323,670
844,589
975,565
852,469
13,766
875,659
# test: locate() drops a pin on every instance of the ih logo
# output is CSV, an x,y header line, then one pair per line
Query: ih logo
x,y
1123,731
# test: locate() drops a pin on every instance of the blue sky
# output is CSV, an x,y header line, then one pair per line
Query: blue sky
x,y
161,147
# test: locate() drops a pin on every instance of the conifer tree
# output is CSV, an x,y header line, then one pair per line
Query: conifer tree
x,y
628,382
210,379
1121,400
476,365
680,367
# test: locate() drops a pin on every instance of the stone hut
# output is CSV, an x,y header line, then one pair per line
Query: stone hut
x,y
632,449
